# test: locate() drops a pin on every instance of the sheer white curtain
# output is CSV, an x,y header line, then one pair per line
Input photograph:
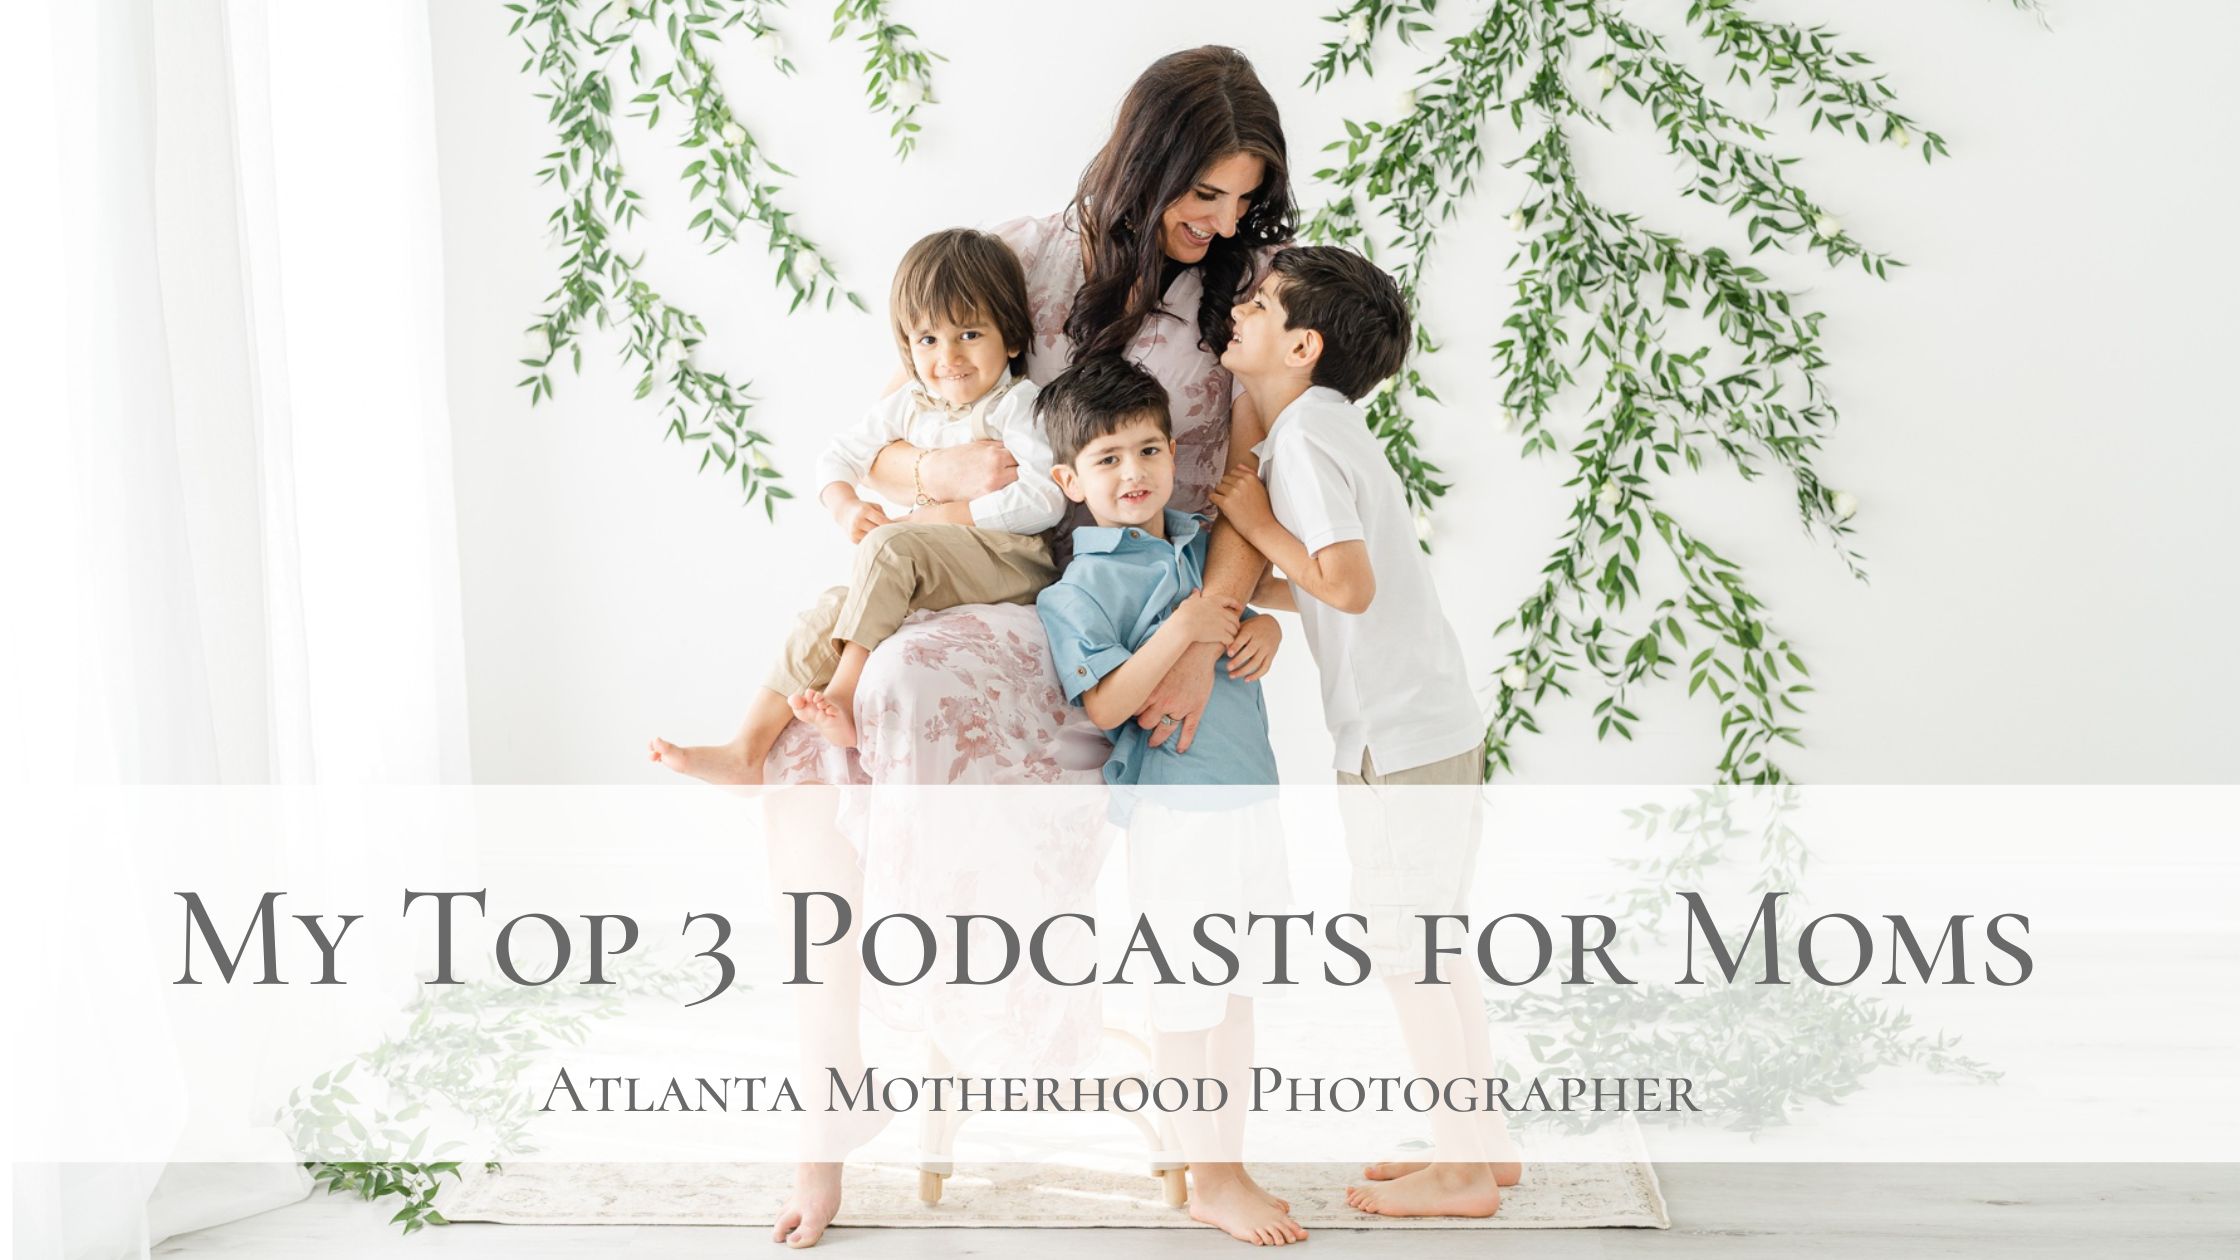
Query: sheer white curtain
x,y
230,552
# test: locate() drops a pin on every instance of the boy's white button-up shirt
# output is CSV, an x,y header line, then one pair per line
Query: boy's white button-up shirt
x,y
1393,681
1005,413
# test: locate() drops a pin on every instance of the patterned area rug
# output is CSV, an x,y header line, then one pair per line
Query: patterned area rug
x,y
1012,1196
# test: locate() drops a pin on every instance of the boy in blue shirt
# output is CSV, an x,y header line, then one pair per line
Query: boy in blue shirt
x,y
1128,606
1132,600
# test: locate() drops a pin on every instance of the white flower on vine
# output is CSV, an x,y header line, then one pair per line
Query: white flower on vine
x,y
770,44
1843,504
733,135
807,265
1519,220
1357,29
1404,101
1514,678
669,356
1607,76
907,94
1508,419
1828,227
1902,138
761,460
1423,525
536,343
1609,496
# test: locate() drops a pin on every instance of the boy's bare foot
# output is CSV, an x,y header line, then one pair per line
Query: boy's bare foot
x,y
1504,1175
1434,1190
837,723
1262,1191
709,763
1241,1210
815,1200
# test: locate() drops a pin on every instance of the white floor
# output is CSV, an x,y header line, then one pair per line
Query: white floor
x,y
1725,1210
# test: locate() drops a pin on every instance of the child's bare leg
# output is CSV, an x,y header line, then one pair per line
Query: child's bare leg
x,y
740,761
1459,1181
1229,1059
1477,1044
832,707
807,851
1477,1048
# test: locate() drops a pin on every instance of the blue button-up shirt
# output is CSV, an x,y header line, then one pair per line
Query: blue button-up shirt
x,y
1120,588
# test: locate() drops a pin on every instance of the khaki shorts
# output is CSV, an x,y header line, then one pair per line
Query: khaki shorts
x,y
1412,836
902,569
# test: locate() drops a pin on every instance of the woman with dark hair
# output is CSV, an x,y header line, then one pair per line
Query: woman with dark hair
x,y
1170,226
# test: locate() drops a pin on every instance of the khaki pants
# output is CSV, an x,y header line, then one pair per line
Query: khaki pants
x,y
1413,852
902,569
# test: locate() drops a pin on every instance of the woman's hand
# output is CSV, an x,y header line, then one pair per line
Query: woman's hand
x,y
1244,501
857,518
1254,648
961,473
1179,701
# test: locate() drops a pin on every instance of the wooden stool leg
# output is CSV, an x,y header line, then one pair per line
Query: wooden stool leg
x,y
929,1188
1177,1188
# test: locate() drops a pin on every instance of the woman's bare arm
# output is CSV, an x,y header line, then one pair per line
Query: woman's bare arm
x,y
1233,569
954,474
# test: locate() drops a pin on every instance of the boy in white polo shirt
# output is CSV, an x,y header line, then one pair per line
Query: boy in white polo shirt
x,y
1322,330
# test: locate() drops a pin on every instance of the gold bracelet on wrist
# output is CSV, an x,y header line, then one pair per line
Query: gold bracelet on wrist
x,y
917,481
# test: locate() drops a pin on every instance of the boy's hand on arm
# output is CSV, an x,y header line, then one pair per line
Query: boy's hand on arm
x,y
1338,575
1254,648
1243,501
1204,618
1198,620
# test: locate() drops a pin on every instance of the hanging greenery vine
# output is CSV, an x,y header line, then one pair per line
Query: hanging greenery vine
x,y
898,71
1686,355
731,181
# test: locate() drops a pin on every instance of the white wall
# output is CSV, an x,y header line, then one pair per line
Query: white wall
x,y
2034,419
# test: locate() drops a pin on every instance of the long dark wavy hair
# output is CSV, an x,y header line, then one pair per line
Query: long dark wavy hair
x,y
1187,112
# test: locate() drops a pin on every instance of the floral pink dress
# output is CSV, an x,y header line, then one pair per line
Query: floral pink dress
x,y
968,695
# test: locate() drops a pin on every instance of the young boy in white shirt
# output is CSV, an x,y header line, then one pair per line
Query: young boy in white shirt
x,y
1323,328
1321,331
961,322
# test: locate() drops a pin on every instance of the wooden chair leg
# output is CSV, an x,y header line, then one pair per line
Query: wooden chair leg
x,y
937,1138
1177,1187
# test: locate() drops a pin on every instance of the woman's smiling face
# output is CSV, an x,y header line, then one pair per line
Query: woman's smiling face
x,y
1211,207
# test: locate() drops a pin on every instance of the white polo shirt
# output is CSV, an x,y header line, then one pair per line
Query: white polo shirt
x,y
1393,680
